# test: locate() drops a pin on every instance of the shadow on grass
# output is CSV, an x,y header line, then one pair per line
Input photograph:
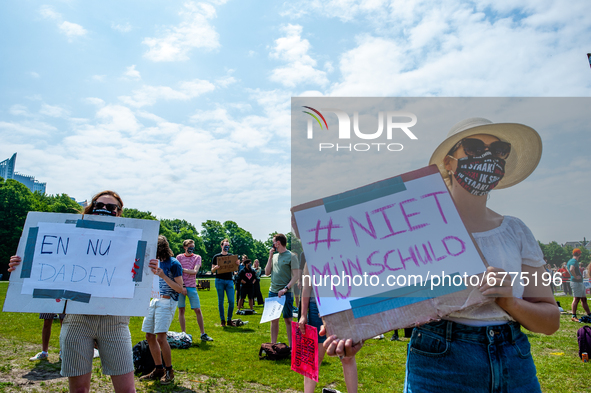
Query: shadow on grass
x,y
44,371
158,387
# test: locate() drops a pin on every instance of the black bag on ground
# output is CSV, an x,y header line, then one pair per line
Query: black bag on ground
x,y
276,351
584,339
142,358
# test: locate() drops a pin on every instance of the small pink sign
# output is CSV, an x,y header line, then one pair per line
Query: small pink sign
x,y
304,354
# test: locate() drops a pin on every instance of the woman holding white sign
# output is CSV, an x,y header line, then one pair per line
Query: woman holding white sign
x,y
110,332
483,349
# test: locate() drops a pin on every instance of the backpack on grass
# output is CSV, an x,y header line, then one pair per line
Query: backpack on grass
x,y
276,351
179,340
142,358
584,339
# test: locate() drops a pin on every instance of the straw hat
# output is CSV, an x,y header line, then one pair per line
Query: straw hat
x,y
526,147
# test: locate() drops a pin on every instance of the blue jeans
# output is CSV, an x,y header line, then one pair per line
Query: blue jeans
x,y
227,287
446,357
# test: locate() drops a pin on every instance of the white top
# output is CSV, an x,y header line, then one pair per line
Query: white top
x,y
509,246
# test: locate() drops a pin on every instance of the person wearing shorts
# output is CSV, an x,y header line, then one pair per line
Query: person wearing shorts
x,y
246,278
576,284
161,311
284,269
110,333
46,334
191,264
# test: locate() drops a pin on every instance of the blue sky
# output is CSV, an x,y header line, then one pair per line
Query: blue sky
x,y
183,107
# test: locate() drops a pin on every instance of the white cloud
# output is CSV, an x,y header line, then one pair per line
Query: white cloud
x,y
19,110
123,28
300,68
195,31
48,13
132,72
27,129
453,49
53,111
95,101
118,118
34,74
70,29
225,81
98,78
148,95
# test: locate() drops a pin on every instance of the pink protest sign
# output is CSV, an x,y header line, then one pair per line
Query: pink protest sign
x,y
388,255
304,356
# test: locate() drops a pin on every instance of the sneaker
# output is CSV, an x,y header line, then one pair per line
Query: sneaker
x,y
96,354
395,337
223,323
39,356
168,378
155,375
378,337
205,337
575,319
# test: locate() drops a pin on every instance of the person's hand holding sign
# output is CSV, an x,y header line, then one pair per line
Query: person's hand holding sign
x,y
497,283
15,260
341,348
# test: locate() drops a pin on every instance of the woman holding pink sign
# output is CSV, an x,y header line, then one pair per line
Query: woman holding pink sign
x,y
483,349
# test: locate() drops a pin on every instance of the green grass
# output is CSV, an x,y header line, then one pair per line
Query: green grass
x,y
232,358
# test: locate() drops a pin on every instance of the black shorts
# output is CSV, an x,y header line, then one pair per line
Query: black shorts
x,y
246,289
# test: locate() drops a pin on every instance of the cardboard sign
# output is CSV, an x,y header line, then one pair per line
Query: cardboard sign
x,y
273,308
304,357
227,264
389,255
83,265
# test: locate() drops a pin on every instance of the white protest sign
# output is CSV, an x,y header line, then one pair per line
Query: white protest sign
x,y
386,236
92,261
83,265
273,308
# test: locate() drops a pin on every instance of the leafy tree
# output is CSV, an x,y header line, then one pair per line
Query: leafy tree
x,y
212,234
177,231
241,241
16,200
61,203
135,213
259,251
555,253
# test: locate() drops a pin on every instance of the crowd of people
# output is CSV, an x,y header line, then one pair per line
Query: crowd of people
x,y
479,350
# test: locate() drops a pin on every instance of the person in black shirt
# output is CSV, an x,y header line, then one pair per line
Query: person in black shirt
x,y
246,278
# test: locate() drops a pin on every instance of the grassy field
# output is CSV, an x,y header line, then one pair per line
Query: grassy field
x,y
231,364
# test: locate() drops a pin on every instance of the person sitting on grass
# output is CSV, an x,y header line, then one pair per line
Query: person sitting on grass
x,y
161,311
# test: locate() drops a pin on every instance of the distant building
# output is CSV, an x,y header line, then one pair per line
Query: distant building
x,y
572,244
7,172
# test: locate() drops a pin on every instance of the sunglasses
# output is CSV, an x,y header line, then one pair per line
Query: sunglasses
x,y
476,147
112,207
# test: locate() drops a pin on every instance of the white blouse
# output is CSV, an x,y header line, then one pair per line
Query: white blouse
x,y
509,246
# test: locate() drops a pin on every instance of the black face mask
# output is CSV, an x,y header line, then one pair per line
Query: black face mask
x,y
190,250
226,248
104,212
479,175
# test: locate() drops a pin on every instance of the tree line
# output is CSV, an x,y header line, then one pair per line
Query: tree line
x,y
16,200
556,254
